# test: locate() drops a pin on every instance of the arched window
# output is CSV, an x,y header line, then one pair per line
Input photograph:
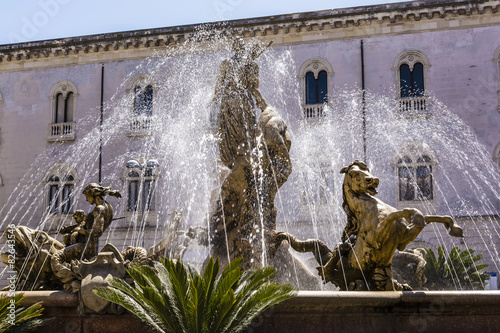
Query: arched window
x,y
316,88
415,179
315,74
410,67
141,89
496,155
61,181
415,167
63,107
143,101
140,181
411,81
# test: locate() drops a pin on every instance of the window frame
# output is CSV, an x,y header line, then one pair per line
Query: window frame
x,y
59,177
410,58
412,169
64,89
413,151
140,173
315,66
321,187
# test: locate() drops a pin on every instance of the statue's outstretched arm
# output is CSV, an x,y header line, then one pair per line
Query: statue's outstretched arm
x,y
220,83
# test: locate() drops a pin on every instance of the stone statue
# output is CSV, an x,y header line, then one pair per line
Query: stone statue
x,y
44,263
71,233
237,95
374,230
241,221
95,224
254,153
33,251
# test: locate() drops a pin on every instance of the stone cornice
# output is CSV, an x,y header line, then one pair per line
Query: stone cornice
x,y
140,43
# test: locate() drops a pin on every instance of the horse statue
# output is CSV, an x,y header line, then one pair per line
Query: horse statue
x,y
374,230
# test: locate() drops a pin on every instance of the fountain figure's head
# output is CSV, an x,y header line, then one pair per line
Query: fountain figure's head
x,y
360,178
95,191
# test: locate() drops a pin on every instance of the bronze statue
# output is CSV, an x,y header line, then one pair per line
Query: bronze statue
x,y
71,233
374,230
44,263
237,95
33,250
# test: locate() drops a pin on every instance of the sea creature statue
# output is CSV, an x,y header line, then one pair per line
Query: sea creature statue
x,y
374,230
33,250
44,263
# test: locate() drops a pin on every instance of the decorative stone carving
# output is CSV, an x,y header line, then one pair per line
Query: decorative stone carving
x,y
109,263
43,263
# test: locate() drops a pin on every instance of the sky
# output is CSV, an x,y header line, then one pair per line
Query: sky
x,y
32,20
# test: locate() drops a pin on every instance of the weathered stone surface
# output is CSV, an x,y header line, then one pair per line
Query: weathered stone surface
x,y
449,311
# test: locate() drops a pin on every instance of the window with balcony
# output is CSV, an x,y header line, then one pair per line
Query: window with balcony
x,y
410,67
62,126
315,74
142,95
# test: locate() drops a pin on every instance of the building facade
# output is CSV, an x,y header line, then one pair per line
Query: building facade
x,y
411,88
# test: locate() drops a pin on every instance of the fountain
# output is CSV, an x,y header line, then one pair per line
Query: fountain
x,y
237,206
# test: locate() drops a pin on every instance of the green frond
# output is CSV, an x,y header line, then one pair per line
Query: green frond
x,y
170,297
456,269
128,302
25,319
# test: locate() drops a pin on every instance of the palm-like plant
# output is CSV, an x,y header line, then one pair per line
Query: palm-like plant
x,y
457,270
170,297
21,319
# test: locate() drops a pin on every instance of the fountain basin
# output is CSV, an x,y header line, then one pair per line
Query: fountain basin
x,y
317,311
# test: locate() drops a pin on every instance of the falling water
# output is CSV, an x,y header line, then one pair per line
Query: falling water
x,y
183,141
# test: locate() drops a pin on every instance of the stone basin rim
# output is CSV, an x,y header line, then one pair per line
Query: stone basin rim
x,y
53,298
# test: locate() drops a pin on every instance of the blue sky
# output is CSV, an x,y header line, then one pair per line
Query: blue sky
x,y
29,20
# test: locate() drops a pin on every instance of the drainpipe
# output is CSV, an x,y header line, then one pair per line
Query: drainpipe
x,y
101,123
363,102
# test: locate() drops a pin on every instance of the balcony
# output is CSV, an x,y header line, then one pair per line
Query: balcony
x,y
314,111
141,126
61,132
414,107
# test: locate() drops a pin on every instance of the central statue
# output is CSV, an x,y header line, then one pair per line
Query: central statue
x,y
254,153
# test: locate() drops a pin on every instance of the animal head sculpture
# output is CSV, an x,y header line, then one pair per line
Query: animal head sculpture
x,y
359,179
